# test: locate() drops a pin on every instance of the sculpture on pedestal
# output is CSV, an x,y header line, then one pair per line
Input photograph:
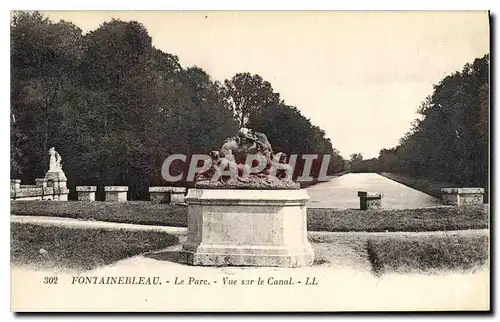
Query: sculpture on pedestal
x,y
55,176
236,165
245,209
54,161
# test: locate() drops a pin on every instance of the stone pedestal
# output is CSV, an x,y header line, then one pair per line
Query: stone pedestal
x,y
56,179
116,193
171,195
86,193
462,196
247,228
369,200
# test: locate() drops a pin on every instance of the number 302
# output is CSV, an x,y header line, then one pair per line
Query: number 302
x,y
50,280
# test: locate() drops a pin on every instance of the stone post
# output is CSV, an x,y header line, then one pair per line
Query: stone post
x,y
369,200
116,193
462,196
86,193
172,195
15,186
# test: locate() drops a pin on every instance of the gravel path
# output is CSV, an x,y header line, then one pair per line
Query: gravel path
x,y
71,222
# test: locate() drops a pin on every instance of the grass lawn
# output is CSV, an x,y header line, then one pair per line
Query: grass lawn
x,y
423,219
146,213
58,247
77,248
136,212
429,254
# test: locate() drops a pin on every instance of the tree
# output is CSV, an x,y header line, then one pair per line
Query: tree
x,y
247,94
356,157
43,60
115,106
449,140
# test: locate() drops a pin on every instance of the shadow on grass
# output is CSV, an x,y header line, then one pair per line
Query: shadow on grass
x,y
80,249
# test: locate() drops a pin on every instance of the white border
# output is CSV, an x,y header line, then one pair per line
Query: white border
x,y
255,5
197,5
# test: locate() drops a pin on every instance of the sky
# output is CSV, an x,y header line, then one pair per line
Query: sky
x,y
358,75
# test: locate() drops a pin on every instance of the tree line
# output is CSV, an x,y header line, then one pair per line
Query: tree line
x,y
115,107
449,140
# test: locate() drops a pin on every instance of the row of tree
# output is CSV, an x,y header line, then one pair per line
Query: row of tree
x,y
449,141
115,107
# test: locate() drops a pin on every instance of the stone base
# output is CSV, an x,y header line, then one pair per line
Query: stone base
x,y
56,179
462,196
116,193
86,196
370,203
86,193
221,255
369,200
159,197
247,228
170,195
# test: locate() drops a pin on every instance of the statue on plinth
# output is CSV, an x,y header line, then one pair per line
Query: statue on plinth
x,y
246,210
54,161
247,161
55,174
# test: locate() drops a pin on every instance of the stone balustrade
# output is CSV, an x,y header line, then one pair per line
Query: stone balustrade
x,y
41,182
171,195
39,191
51,187
369,200
86,193
462,196
116,193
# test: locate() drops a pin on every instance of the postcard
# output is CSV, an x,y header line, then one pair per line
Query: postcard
x,y
250,161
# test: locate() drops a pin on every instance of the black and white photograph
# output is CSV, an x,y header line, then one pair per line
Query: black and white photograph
x,y
250,161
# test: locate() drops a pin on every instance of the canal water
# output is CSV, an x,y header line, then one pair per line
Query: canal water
x,y
342,192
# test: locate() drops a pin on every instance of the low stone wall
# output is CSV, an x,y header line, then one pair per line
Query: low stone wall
x,y
39,191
